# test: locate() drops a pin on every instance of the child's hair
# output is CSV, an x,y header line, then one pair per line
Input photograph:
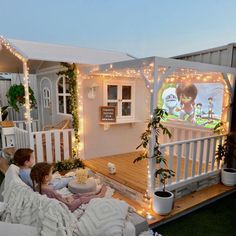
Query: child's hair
x,y
189,90
38,173
22,155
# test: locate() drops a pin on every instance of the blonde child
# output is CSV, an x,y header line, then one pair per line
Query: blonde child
x,y
41,175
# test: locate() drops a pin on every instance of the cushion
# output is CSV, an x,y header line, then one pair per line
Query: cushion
x,y
103,217
8,229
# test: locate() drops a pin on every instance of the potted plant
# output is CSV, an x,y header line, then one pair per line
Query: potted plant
x,y
16,96
227,153
64,166
162,200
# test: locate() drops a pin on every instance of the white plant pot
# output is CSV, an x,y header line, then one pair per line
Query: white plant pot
x,y
163,204
228,176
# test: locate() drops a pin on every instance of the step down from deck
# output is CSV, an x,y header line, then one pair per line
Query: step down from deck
x,y
182,206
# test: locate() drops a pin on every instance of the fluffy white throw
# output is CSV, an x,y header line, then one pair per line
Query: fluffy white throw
x,y
50,217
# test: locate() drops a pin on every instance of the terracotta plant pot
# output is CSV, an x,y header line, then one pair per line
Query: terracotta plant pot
x,y
163,202
228,176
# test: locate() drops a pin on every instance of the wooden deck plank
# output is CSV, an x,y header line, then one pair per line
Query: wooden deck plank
x,y
183,205
129,174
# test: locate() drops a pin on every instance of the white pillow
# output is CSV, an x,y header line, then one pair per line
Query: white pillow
x,y
103,217
8,229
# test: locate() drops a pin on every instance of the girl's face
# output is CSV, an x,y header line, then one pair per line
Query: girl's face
x,y
48,177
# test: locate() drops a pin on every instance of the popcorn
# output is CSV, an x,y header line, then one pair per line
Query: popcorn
x,y
81,175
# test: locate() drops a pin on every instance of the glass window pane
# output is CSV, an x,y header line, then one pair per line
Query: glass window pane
x,y
126,108
67,86
61,104
112,92
68,105
126,92
60,85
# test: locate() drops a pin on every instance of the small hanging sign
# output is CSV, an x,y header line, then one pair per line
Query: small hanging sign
x,y
108,114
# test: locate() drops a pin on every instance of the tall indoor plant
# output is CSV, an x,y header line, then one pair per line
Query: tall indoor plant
x,y
227,153
162,200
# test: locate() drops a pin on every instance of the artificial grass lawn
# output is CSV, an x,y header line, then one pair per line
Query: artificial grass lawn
x,y
216,219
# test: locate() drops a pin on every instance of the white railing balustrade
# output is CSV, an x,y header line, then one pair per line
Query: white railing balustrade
x,y
191,159
52,145
21,138
22,125
179,132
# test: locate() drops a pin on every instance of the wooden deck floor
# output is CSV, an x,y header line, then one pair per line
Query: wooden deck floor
x,y
127,173
135,175
183,205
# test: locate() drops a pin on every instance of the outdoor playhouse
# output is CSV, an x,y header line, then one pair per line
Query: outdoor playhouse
x,y
116,95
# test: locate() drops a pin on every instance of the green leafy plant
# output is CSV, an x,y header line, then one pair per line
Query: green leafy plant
x,y
68,165
227,151
16,96
154,126
70,75
219,128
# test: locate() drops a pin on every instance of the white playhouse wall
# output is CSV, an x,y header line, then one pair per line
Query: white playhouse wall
x,y
119,138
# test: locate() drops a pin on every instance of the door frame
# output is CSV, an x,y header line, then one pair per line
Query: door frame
x,y
41,89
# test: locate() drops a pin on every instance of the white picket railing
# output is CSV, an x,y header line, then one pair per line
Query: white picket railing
x,y
19,115
180,131
194,159
21,138
22,125
52,145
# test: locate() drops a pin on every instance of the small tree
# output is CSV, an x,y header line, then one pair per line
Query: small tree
x,y
154,125
227,151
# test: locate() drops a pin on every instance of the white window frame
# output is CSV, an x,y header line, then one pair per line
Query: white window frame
x,y
46,99
119,84
64,95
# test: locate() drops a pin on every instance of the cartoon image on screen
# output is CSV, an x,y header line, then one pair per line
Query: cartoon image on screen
x,y
194,103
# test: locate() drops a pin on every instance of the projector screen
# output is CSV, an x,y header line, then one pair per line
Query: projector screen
x,y
194,103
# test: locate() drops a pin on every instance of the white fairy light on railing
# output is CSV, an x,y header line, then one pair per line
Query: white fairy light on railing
x,y
80,146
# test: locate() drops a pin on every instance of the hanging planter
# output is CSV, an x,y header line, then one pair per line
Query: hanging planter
x,y
16,97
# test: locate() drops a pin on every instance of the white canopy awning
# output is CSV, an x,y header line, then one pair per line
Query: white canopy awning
x,y
36,53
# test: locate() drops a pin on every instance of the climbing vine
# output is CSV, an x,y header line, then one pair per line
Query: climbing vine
x,y
70,75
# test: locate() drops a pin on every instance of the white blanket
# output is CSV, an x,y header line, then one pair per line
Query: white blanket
x,y
23,206
102,216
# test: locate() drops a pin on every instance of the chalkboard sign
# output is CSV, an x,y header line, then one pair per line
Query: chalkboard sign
x,y
108,114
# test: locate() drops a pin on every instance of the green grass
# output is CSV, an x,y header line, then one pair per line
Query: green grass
x,y
216,219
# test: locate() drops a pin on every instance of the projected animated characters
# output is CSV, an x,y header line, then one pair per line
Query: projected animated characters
x,y
198,110
194,104
170,101
210,108
186,95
